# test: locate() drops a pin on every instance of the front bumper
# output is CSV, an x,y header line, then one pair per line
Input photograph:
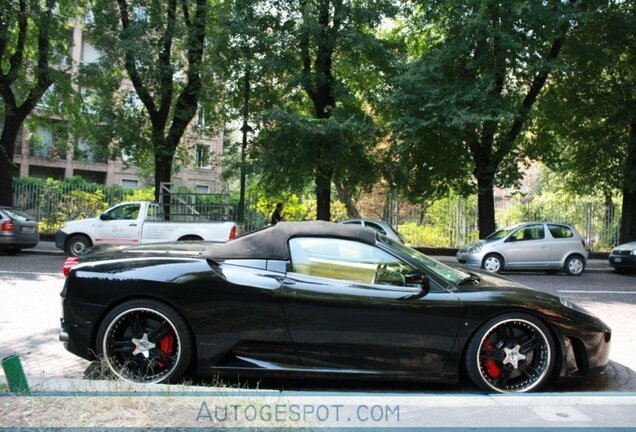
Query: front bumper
x,y
586,354
60,239
469,258
623,261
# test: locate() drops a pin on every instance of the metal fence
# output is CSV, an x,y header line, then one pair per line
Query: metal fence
x,y
53,202
49,201
597,222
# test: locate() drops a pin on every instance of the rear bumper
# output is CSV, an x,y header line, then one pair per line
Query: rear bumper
x,y
19,241
77,327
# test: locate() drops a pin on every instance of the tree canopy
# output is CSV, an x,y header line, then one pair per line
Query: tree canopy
x,y
462,104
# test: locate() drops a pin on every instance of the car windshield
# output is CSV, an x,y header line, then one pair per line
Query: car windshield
x,y
446,272
497,235
17,215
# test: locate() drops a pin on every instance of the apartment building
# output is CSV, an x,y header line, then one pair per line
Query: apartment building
x,y
47,151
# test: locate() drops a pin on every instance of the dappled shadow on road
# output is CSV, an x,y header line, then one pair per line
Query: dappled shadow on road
x,y
43,355
618,378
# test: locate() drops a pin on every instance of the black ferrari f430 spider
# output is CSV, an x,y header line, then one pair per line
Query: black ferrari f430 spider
x,y
323,300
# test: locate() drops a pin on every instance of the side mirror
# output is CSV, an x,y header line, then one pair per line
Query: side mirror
x,y
418,278
511,239
104,216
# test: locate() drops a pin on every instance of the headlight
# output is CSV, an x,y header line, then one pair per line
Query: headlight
x,y
633,252
475,248
570,305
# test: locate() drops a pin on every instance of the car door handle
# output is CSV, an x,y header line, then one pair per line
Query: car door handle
x,y
285,280
132,225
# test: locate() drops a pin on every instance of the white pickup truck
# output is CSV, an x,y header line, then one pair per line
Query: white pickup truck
x,y
132,223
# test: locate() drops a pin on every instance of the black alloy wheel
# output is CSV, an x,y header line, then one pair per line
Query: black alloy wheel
x,y
511,353
145,341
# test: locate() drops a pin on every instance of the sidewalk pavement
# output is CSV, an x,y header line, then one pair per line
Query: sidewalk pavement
x,y
593,265
81,403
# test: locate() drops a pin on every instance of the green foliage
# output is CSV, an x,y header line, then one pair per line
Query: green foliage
x,y
142,194
322,80
297,208
582,130
459,107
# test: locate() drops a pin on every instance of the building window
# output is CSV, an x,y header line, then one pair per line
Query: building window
x,y
202,189
202,156
49,140
90,54
129,183
139,14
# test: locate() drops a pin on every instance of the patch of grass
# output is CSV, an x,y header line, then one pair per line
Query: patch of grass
x,y
4,387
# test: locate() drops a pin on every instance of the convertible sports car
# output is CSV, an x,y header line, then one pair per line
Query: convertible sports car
x,y
323,300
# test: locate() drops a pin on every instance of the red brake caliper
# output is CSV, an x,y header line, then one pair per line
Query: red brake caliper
x,y
165,346
492,369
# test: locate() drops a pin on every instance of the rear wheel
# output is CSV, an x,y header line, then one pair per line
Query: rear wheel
x,y
78,245
14,251
493,263
145,341
574,265
511,353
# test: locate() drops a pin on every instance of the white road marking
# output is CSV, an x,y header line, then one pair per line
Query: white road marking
x,y
30,273
597,292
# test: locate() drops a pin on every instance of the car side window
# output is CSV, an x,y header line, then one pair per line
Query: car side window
x,y
560,231
375,226
346,260
530,232
125,212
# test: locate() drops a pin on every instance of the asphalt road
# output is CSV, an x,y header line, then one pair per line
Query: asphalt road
x,y
29,318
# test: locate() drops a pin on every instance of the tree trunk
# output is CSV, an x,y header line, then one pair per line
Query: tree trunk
x,y
7,149
628,217
323,194
345,197
486,205
163,173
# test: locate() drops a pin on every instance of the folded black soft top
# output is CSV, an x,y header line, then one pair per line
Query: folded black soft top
x,y
271,243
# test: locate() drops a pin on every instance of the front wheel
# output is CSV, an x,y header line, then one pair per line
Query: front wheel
x,y
574,265
145,341
511,353
493,263
78,245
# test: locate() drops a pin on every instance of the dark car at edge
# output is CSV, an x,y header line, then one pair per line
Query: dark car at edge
x,y
320,300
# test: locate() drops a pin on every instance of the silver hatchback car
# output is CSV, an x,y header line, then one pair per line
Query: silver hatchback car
x,y
531,245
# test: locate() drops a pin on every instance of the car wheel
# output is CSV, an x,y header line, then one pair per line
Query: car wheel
x,y
145,341
511,353
77,245
493,263
622,271
14,251
574,265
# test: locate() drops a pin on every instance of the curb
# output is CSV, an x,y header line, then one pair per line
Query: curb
x,y
41,252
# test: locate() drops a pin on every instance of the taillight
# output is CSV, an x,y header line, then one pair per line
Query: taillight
x,y
69,264
233,232
7,226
